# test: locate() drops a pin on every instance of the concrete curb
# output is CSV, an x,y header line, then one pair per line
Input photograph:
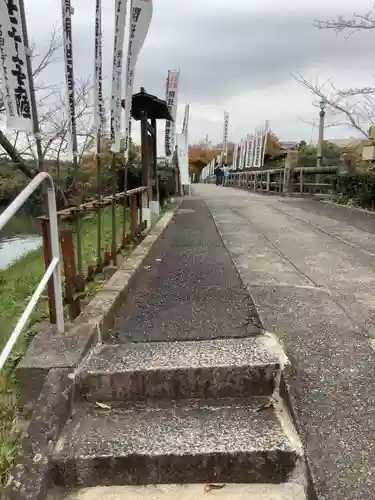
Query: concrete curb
x,y
357,209
49,349
29,479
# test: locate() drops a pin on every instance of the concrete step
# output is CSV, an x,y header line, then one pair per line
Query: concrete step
x,y
196,441
174,370
285,491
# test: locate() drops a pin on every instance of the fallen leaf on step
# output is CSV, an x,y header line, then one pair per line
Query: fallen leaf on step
x,y
158,260
210,487
270,403
102,405
148,268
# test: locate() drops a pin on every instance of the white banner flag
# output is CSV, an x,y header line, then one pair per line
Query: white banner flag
x,y
225,138
242,157
252,153
69,76
171,98
182,158
14,75
258,149
118,56
234,159
140,19
99,113
248,151
185,123
246,146
265,138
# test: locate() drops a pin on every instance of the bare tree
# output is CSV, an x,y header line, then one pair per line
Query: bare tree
x,y
351,107
53,119
40,62
54,125
351,24
354,107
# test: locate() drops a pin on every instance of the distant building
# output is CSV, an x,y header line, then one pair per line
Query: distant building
x,y
288,145
346,143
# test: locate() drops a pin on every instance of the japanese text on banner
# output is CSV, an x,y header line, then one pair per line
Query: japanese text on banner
x,y
99,112
171,98
225,135
140,19
118,49
69,75
14,74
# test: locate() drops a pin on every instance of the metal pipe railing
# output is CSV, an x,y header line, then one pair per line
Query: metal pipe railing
x,y
53,269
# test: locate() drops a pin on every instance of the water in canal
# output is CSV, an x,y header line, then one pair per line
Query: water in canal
x,y
21,235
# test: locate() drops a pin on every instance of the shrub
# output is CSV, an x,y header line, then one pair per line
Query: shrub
x,y
356,189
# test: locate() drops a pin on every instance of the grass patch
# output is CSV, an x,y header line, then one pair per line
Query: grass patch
x,y
17,283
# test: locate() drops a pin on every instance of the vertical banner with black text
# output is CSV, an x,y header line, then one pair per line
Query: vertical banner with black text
x,y
140,19
185,123
258,149
99,112
234,159
182,159
265,140
14,76
224,155
171,98
69,77
242,157
182,143
118,56
252,152
248,151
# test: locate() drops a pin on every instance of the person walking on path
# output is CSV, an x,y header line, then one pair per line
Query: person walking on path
x,y
225,174
219,175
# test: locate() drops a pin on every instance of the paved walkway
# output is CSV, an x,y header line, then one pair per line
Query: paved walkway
x,y
310,270
188,288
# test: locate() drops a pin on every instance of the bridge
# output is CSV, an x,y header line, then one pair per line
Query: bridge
x,y
230,356
200,341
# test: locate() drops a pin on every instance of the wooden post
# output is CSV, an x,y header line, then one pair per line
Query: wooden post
x,y
144,151
70,273
268,181
301,181
290,164
154,158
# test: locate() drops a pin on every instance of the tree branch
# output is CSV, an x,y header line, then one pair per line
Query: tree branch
x,y
356,23
16,158
357,114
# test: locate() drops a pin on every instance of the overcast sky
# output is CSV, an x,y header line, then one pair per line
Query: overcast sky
x,y
235,55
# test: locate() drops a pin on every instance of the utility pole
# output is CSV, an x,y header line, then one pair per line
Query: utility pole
x,y
319,152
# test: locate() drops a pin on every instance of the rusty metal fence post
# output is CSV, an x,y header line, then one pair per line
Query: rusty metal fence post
x,y
134,216
70,272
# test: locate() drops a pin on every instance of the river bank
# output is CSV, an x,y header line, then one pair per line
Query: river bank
x,y
17,282
20,236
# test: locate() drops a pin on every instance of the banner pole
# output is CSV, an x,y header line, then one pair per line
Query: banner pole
x,y
34,111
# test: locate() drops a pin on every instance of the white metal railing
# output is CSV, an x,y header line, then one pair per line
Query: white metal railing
x,y
53,269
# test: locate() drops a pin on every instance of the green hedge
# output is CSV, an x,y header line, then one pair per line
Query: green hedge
x,y
356,189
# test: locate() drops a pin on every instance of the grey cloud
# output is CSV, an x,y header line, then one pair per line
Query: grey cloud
x,y
222,51
220,59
